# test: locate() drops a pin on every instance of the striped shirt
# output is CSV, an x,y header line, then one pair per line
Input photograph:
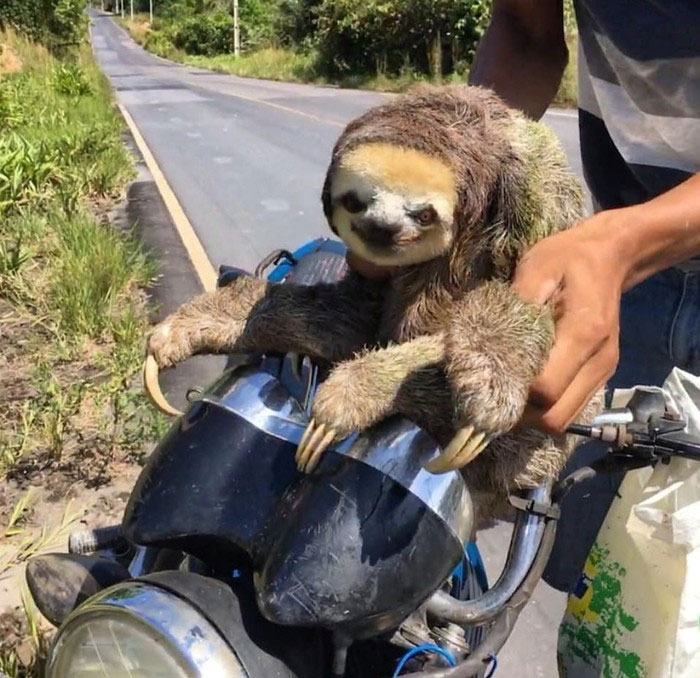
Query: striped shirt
x,y
639,96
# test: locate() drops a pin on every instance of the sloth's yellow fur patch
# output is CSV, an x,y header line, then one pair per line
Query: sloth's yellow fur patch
x,y
402,170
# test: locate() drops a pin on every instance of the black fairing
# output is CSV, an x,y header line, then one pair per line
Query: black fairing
x,y
349,547
358,552
211,484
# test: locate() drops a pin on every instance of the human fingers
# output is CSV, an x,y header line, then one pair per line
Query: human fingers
x,y
578,339
537,279
587,382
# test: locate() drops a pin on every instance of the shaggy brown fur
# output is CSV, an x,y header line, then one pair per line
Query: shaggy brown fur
x,y
444,342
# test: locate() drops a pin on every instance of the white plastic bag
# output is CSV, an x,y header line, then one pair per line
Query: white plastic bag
x,y
636,610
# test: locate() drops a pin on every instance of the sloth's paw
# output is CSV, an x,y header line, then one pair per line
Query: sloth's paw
x,y
170,343
342,405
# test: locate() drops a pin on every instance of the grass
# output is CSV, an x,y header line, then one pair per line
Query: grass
x,y
18,512
33,544
30,640
73,311
286,65
70,283
270,64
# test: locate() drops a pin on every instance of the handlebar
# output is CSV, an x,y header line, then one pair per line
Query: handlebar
x,y
645,431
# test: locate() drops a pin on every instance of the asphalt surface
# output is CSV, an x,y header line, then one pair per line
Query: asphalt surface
x,y
246,159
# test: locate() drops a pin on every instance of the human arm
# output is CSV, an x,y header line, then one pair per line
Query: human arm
x,y
584,272
523,53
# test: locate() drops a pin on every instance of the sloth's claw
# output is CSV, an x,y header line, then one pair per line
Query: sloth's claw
x,y
312,445
463,448
152,387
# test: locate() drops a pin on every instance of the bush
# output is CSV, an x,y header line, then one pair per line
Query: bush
x,y
205,34
259,23
159,43
388,36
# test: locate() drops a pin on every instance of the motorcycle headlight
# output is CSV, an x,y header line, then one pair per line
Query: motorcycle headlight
x,y
136,630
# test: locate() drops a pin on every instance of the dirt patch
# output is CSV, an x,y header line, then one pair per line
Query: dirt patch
x,y
75,430
10,61
66,464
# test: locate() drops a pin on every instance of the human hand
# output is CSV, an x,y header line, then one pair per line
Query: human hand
x,y
580,274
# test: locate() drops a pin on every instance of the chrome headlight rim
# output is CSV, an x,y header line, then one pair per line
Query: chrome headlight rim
x,y
187,634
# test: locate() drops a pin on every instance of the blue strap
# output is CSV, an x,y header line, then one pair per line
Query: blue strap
x,y
474,556
424,648
494,666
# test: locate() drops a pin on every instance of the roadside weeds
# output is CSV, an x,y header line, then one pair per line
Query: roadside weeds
x,y
74,423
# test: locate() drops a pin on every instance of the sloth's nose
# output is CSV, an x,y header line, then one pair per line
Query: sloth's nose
x,y
375,231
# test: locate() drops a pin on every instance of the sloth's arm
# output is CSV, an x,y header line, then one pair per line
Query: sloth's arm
x,y
326,321
495,346
377,383
406,378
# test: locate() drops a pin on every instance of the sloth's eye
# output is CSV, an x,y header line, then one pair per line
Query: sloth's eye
x,y
352,203
426,216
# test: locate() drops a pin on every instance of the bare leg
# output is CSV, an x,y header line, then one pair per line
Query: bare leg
x,y
326,321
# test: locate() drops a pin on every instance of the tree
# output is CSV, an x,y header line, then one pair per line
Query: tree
x,y
385,35
56,22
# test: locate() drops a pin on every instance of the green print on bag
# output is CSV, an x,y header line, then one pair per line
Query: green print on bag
x,y
595,623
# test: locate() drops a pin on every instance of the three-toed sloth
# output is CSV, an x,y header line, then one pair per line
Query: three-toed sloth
x,y
448,187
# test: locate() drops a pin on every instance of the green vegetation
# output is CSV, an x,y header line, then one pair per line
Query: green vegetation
x,y
271,63
73,310
568,89
69,285
57,23
376,44
343,41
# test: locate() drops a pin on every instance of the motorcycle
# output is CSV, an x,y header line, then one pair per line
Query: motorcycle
x,y
230,563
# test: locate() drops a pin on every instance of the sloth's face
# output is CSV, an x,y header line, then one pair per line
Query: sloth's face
x,y
393,206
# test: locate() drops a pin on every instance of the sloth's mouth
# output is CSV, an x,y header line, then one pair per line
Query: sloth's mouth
x,y
375,234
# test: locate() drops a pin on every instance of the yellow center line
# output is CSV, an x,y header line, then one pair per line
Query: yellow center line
x,y
281,107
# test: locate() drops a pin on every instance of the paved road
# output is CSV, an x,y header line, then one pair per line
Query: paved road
x,y
246,159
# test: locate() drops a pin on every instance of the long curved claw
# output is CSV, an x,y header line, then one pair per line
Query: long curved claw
x,y
152,387
471,452
299,457
441,462
463,448
318,452
312,445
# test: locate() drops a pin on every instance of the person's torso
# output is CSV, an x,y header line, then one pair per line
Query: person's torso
x,y
639,96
